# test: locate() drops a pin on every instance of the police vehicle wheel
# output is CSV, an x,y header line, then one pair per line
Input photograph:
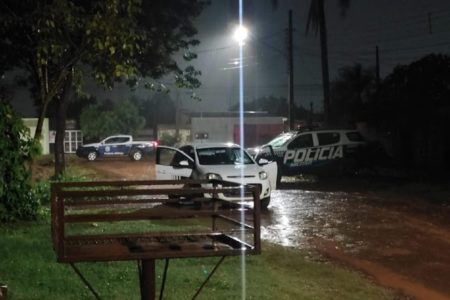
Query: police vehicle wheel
x,y
136,155
265,202
92,156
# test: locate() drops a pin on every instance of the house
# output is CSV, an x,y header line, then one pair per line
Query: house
x,y
259,127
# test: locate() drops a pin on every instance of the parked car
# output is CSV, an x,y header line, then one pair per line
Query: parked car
x,y
317,152
117,145
221,161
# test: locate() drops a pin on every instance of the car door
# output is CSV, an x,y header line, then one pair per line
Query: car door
x,y
122,146
299,155
267,160
108,146
172,164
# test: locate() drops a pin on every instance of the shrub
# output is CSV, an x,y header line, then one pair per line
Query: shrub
x,y
41,190
168,139
16,148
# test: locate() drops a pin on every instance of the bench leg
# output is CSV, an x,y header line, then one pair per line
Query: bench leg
x,y
147,279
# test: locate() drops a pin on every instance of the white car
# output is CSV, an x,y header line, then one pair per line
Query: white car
x,y
223,161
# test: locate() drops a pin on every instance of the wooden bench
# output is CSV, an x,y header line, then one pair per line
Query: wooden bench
x,y
143,221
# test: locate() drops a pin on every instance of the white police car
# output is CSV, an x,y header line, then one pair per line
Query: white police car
x,y
223,161
317,152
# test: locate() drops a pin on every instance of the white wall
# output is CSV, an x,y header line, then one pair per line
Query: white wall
x,y
31,123
220,129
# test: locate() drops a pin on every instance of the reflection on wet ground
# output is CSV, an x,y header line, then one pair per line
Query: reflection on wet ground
x,y
383,233
296,215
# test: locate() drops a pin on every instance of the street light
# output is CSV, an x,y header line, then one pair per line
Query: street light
x,y
240,35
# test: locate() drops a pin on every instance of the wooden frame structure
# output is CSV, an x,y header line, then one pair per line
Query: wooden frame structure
x,y
207,229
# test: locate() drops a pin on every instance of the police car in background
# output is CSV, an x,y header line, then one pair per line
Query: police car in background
x,y
317,152
117,145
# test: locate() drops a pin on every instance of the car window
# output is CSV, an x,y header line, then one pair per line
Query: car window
x,y
355,136
116,140
223,156
178,157
281,139
189,150
328,138
110,141
302,141
122,139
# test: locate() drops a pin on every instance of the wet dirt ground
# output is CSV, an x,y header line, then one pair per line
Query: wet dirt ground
x,y
398,233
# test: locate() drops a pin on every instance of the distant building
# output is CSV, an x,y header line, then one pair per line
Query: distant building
x,y
31,123
259,127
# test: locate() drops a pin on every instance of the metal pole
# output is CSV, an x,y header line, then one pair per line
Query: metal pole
x,y
291,106
163,284
85,281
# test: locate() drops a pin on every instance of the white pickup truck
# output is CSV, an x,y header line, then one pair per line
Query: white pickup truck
x,y
117,145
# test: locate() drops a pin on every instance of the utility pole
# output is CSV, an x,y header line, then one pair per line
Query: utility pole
x,y
291,74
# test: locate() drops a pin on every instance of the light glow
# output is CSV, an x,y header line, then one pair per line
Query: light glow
x,y
240,35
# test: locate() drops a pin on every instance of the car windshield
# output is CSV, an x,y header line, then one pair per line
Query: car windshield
x,y
223,156
281,139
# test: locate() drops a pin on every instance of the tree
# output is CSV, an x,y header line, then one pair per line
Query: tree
x,y
414,108
317,22
97,121
16,146
156,110
351,91
58,42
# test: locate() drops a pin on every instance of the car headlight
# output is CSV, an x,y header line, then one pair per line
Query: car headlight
x,y
213,176
262,175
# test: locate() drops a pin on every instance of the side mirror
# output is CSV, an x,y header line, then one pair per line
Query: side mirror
x,y
182,164
262,161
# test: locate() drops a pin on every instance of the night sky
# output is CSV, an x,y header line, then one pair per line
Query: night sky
x,y
404,31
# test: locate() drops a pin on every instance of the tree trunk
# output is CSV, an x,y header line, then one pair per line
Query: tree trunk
x,y
61,111
324,59
38,132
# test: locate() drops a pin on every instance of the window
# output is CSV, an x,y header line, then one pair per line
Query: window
x,y
178,157
72,140
189,150
281,139
302,141
165,156
328,138
222,156
110,141
117,140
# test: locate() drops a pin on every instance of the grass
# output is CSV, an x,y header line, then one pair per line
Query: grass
x,y
29,268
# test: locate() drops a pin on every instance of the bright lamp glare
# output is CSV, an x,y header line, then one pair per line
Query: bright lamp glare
x,y
240,34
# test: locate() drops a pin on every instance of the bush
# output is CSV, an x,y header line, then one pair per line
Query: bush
x,y
168,139
41,190
16,148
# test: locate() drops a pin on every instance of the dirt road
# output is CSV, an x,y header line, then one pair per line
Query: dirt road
x,y
396,233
